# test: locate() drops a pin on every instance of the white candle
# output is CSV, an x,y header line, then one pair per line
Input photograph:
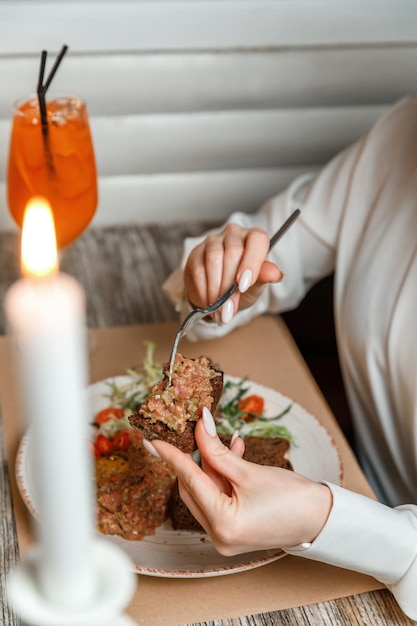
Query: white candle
x,y
46,313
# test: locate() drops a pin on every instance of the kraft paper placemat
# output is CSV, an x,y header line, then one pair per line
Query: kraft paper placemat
x,y
264,352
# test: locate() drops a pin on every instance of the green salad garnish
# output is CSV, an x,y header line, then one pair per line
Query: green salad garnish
x,y
231,417
131,395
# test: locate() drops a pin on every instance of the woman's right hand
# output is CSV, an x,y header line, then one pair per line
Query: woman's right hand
x,y
235,253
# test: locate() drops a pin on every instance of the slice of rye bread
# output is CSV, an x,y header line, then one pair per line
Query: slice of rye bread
x,y
261,450
265,450
156,429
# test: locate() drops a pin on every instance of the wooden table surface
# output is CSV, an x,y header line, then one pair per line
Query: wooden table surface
x,y
121,269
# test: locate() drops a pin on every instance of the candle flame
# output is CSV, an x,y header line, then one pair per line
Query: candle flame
x,y
39,256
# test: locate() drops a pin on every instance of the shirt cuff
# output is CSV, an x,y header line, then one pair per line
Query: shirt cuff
x,y
365,536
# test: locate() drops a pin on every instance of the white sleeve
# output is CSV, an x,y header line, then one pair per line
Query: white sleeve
x,y
305,254
371,538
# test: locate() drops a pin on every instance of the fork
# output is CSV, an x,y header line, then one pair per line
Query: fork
x,y
198,314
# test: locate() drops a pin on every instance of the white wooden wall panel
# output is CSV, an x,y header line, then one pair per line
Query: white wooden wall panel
x,y
130,84
202,24
190,196
227,141
199,108
222,141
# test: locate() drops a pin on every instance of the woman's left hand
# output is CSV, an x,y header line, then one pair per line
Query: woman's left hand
x,y
244,506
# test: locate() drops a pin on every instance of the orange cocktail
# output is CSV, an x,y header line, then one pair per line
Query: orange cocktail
x,y
56,162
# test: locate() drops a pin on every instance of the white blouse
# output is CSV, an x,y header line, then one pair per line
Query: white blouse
x,y
359,219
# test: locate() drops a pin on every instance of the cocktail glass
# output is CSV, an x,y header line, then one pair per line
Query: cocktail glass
x,y
55,161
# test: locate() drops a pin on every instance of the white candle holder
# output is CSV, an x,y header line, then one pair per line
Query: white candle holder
x,y
115,584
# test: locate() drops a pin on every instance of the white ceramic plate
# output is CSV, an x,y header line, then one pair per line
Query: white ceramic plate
x,y
183,554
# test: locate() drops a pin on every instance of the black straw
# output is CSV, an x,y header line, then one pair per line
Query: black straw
x,y
41,94
55,67
42,69
41,90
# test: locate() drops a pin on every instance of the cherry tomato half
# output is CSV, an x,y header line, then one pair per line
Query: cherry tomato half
x,y
252,406
121,441
103,445
109,413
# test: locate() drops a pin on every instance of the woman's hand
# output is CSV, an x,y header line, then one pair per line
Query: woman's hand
x,y
236,253
244,506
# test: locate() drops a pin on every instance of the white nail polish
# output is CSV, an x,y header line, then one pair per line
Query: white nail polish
x,y
151,448
209,423
245,281
234,437
227,312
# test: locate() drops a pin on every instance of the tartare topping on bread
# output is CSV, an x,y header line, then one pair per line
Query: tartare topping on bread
x,y
171,412
183,401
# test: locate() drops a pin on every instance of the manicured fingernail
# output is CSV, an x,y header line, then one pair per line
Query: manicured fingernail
x,y
209,423
245,281
234,437
227,312
151,448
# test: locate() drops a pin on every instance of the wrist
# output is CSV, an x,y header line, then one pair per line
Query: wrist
x,y
317,504
321,500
